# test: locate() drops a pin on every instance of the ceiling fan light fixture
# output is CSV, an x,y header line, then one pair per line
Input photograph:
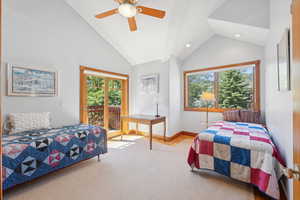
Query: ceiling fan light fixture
x,y
188,45
127,10
237,35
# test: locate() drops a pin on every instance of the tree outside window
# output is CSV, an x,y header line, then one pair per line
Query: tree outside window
x,y
234,87
199,83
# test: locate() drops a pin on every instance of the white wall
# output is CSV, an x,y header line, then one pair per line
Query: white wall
x,y
169,95
142,103
279,104
219,51
175,103
215,52
51,34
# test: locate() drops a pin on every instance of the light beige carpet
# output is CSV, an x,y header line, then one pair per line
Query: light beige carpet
x,y
131,172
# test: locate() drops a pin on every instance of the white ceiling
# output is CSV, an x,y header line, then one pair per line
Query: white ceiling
x,y
252,34
187,21
253,12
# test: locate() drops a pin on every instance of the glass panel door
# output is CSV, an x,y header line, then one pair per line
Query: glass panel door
x,y
95,98
114,104
102,112
103,99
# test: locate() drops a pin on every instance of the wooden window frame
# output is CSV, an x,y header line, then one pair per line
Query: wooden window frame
x,y
83,95
256,82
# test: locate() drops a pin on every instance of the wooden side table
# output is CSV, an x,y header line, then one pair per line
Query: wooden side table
x,y
144,119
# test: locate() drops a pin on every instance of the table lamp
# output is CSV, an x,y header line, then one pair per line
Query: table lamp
x,y
208,97
156,101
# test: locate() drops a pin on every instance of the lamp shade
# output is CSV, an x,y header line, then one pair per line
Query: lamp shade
x,y
208,96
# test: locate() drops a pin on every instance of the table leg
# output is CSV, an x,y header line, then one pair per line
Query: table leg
x,y
122,131
150,132
137,128
165,130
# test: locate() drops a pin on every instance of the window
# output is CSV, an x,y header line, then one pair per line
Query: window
x,y
234,87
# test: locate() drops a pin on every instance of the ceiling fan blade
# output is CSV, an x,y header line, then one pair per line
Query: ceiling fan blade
x,y
132,24
106,14
151,12
120,1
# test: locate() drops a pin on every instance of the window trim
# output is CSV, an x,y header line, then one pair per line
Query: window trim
x,y
256,82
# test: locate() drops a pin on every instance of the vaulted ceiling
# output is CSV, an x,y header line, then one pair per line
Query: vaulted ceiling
x,y
186,22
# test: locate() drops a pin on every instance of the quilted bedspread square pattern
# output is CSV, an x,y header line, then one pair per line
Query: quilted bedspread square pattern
x,y
242,151
31,154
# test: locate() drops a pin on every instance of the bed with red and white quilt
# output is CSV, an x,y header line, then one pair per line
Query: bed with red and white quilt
x,y
242,151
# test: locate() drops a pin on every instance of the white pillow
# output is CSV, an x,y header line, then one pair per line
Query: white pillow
x,y
29,121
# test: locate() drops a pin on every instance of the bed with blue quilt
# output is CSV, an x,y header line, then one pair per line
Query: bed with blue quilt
x,y
31,154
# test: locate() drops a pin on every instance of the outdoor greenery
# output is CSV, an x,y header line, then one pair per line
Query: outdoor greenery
x,y
96,91
199,83
234,88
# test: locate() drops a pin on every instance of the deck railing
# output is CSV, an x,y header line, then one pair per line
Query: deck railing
x,y
96,116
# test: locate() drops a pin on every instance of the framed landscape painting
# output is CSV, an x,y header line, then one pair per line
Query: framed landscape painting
x,y
283,65
24,81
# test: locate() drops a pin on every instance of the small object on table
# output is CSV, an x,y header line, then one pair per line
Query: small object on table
x,y
156,99
157,115
147,120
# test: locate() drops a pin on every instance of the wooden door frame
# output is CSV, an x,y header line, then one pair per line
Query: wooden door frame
x,y
295,77
83,95
1,102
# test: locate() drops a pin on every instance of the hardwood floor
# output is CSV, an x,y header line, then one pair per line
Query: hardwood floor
x,y
174,141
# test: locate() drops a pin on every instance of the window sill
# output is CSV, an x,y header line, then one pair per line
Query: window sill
x,y
216,110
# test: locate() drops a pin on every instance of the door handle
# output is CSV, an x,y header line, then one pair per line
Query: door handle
x,y
293,173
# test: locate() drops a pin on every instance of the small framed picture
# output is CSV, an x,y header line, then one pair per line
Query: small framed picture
x,y
31,81
150,83
283,62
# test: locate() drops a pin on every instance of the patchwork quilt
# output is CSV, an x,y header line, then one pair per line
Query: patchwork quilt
x,y
32,154
241,151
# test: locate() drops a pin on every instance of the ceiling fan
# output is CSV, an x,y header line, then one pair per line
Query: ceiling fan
x,y
129,9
